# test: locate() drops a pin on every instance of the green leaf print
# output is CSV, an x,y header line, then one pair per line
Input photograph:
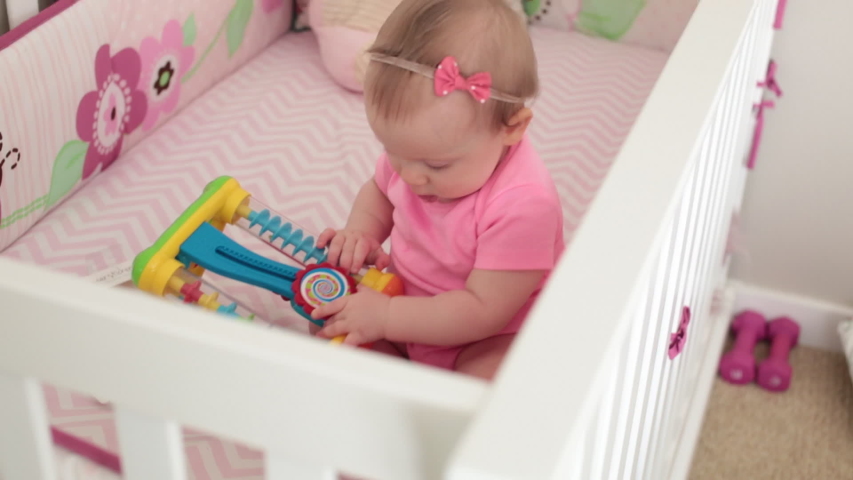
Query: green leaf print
x,y
22,213
67,170
531,7
238,19
610,19
189,31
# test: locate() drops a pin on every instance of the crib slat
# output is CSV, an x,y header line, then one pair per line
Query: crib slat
x,y
25,446
20,10
150,447
280,468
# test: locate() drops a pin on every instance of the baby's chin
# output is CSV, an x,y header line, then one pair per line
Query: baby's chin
x,y
438,199
445,195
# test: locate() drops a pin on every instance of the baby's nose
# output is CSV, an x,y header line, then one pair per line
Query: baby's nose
x,y
412,177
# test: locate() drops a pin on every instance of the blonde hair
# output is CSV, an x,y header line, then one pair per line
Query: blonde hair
x,y
483,36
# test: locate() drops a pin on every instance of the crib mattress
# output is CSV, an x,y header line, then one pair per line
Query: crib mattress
x,y
301,144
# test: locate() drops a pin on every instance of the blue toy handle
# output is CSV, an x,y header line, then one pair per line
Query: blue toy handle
x,y
212,250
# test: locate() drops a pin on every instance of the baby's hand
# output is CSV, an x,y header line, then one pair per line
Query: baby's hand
x,y
351,249
362,317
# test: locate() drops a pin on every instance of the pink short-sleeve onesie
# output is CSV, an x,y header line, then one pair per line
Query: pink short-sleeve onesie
x,y
514,222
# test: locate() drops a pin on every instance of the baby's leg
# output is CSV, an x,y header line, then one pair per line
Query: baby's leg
x,y
482,359
389,348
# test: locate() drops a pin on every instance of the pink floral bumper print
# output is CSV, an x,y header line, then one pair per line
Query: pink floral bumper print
x,y
164,62
113,110
271,5
9,160
136,88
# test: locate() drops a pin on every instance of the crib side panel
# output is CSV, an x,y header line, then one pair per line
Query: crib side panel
x,y
722,147
92,81
621,333
301,400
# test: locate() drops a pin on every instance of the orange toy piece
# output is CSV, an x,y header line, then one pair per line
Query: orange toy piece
x,y
386,283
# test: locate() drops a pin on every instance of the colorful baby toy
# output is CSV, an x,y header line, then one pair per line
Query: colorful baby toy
x,y
195,242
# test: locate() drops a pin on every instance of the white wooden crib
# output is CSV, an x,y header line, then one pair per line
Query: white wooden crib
x,y
587,392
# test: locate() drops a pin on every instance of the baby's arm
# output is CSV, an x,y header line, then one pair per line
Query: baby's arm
x,y
491,299
519,239
369,224
517,243
371,212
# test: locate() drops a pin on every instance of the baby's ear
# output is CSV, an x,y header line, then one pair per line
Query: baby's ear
x,y
515,128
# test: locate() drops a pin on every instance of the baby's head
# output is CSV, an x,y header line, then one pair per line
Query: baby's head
x,y
447,146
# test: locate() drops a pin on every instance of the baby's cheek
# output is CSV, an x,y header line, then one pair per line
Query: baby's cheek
x,y
473,179
458,186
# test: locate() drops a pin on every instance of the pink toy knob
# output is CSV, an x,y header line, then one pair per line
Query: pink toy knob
x,y
774,373
738,365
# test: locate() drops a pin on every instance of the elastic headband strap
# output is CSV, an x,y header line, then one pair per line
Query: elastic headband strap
x,y
447,78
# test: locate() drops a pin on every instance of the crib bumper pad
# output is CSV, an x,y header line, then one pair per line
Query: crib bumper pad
x,y
654,24
345,29
93,81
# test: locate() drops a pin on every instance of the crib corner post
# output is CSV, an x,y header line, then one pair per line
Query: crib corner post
x,y
25,445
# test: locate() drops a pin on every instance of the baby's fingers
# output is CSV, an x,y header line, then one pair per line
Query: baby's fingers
x,y
333,330
335,249
362,249
379,259
324,237
354,338
329,309
348,252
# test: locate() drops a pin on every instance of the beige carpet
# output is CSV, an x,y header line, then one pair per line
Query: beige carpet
x,y
803,434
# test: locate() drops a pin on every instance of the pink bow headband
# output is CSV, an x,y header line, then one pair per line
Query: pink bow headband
x,y
446,78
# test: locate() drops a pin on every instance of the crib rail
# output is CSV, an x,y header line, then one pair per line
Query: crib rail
x,y
309,405
607,401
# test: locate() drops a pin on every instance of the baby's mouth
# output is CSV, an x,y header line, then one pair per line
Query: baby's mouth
x,y
429,198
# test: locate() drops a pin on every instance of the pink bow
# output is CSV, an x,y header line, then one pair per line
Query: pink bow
x,y
448,79
770,81
677,339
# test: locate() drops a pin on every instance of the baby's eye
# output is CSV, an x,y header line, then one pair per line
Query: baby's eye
x,y
437,167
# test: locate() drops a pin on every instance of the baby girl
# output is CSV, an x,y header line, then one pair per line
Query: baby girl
x,y
474,218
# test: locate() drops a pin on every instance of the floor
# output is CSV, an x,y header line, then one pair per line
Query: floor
x,y
804,433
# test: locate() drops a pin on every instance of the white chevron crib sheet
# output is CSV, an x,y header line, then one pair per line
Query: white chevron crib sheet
x,y
301,144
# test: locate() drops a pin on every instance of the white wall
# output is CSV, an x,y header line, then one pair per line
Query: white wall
x,y
797,217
